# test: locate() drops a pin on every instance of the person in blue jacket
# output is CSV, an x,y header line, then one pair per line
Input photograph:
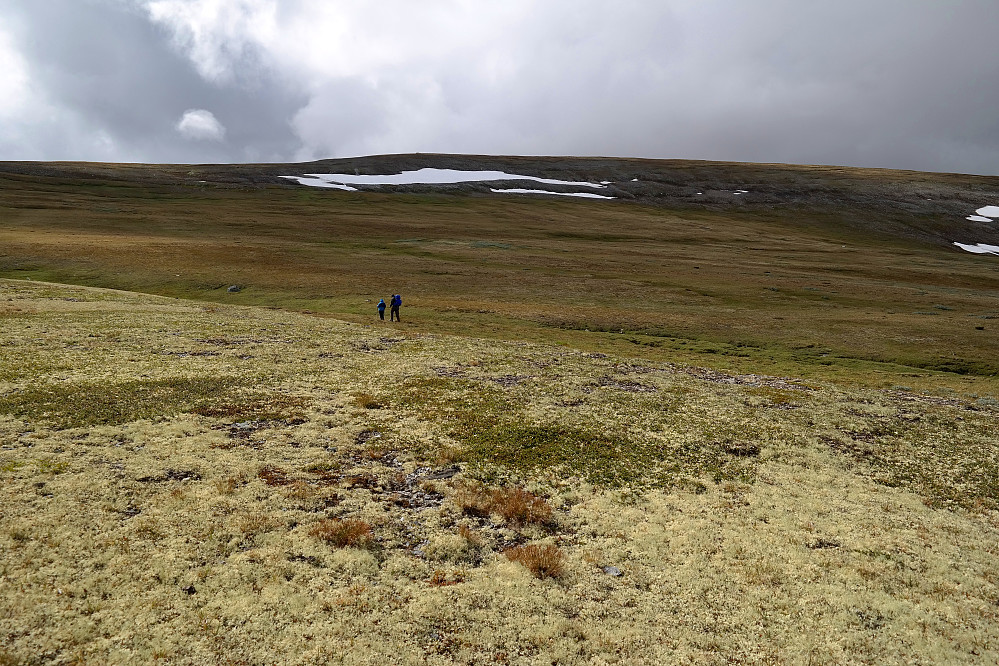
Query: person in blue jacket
x,y
381,309
396,304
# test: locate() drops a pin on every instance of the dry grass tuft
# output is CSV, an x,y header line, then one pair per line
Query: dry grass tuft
x,y
443,579
300,490
19,535
255,523
541,561
267,407
327,472
350,533
515,505
367,401
469,535
227,486
273,475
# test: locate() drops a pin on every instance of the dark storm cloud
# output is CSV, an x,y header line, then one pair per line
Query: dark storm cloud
x,y
117,76
895,83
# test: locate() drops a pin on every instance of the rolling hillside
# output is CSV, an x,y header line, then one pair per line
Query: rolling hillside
x,y
752,425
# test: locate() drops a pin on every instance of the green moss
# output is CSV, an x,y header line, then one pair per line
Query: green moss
x,y
98,403
494,431
949,462
11,465
600,458
51,466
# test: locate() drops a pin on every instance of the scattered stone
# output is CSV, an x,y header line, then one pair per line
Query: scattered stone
x,y
172,475
308,559
130,511
742,449
625,385
234,289
365,435
190,589
440,474
506,381
611,571
820,544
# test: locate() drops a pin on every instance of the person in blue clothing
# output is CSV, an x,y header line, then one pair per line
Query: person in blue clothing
x,y
381,309
396,304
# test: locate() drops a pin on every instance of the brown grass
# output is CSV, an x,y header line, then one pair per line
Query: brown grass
x,y
542,561
443,579
349,533
300,490
367,401
227,486
273,475
516,506
469,535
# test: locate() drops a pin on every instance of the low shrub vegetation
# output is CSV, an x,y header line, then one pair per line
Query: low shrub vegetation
x,y
543,561
346,533
515,506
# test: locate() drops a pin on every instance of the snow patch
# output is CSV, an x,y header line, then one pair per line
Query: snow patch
x,y
588,195
315,182
429,176
978,218
980,248
988,211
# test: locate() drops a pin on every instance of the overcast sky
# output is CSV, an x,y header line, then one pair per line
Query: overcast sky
x,y
890,83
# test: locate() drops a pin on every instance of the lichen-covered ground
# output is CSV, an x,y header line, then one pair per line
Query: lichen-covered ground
x,y
177,480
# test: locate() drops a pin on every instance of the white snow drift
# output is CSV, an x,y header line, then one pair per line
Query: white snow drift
x,y
588,195
983,214
430,177
980,248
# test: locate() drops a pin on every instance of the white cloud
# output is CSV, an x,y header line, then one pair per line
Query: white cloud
x,y
216,34
15,93
200,125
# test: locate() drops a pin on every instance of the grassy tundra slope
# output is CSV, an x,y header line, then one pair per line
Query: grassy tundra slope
x,y
816,271
198,483
672,427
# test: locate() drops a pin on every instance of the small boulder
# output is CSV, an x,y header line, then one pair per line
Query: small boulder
x,y
234,289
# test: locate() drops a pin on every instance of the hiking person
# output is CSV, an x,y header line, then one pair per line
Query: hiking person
x,y
381,309
396,304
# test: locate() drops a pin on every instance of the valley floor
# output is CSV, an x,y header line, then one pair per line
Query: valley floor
x,y
183,483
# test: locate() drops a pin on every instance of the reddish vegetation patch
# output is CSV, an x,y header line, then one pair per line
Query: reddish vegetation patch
x,y
515,505
273,475
343,533
541,561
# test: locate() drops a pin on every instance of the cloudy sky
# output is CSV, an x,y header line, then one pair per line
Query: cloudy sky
x,y
891,83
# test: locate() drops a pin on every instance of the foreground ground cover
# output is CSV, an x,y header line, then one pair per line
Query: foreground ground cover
x,y
201,483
